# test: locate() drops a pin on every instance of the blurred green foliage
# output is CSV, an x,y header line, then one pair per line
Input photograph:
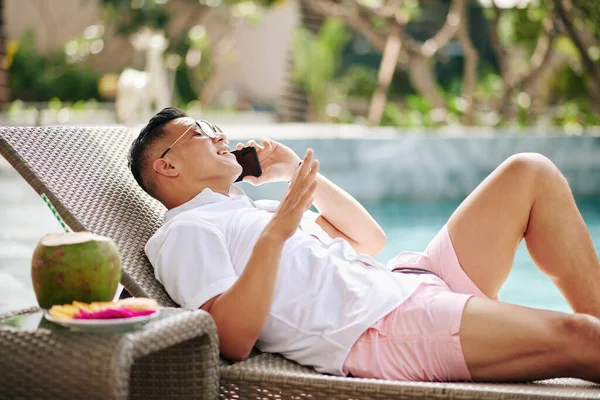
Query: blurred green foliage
x,y
522,25
359,81
189,81
590,12
568,100
36,77
316,60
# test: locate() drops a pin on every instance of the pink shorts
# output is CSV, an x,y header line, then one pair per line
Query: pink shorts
x,y
419,340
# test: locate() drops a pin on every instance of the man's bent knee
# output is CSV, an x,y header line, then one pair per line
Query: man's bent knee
x,y
530,163
578,337
535,167
579,327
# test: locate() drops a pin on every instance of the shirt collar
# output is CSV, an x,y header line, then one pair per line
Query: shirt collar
x,y
206,196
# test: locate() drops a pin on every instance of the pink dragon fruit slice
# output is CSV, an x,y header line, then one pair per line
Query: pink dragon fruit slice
x,y
113,313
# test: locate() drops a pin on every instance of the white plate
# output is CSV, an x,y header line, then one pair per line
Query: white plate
x,y
102,325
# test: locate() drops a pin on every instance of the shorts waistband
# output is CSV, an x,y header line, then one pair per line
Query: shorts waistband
x,y
412,270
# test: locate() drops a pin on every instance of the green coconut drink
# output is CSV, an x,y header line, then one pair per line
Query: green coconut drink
x,y
78,266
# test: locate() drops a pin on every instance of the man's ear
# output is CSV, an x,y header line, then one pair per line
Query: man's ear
x,y
163,167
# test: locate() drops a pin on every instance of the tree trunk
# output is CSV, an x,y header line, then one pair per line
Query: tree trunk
x,y
294,105
4,93
422,78
418,59
592,69
503,57
536,86
541,59
387,67
471,60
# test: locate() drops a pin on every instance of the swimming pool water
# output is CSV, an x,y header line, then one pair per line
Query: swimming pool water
x,y
411,226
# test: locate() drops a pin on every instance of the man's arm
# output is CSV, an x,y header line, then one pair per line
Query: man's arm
x,y
343,216
240,312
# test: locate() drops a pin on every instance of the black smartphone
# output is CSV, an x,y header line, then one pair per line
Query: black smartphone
x,y
248,159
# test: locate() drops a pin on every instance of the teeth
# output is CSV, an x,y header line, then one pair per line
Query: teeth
x,y
221,152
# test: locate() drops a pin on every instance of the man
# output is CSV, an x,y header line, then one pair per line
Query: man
x,y
305,284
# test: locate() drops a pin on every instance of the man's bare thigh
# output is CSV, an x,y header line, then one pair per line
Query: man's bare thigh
x,y
488,226
506,342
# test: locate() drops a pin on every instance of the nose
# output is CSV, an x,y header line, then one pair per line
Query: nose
x,y
220,136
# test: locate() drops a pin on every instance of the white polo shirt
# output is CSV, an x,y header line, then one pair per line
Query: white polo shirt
x,y
326,294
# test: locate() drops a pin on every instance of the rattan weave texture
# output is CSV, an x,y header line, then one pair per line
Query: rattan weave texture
x,y
84,173
172,358
269,376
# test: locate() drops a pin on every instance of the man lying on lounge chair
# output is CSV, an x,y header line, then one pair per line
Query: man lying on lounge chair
x,y
305,285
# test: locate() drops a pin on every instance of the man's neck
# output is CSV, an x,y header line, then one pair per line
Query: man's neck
x,y
176,202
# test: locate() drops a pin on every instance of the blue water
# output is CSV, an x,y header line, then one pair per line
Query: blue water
x,y
411,226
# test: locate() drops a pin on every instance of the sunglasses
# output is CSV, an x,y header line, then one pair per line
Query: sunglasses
x,y
206,128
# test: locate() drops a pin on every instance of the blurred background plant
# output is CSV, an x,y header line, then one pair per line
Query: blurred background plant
x,y
315,65
405,63
435,63
36,77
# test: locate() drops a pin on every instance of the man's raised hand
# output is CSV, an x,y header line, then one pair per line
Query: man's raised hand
x,y
297,198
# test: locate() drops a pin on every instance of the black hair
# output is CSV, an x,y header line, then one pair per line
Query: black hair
x,y
141,146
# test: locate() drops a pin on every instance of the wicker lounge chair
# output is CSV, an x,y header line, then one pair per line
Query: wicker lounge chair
x,y
83,172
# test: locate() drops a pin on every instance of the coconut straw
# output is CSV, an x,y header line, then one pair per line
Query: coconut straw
x,y
51,207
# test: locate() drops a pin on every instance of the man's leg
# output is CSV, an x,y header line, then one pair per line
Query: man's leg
x,y
506,342
527,196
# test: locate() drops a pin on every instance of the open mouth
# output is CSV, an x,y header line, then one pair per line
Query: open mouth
x,y
223,152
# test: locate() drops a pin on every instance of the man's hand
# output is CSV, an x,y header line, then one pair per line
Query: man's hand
x,y
278,162
296,200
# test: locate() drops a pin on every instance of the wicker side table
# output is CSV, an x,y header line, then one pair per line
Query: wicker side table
x,y
172,357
